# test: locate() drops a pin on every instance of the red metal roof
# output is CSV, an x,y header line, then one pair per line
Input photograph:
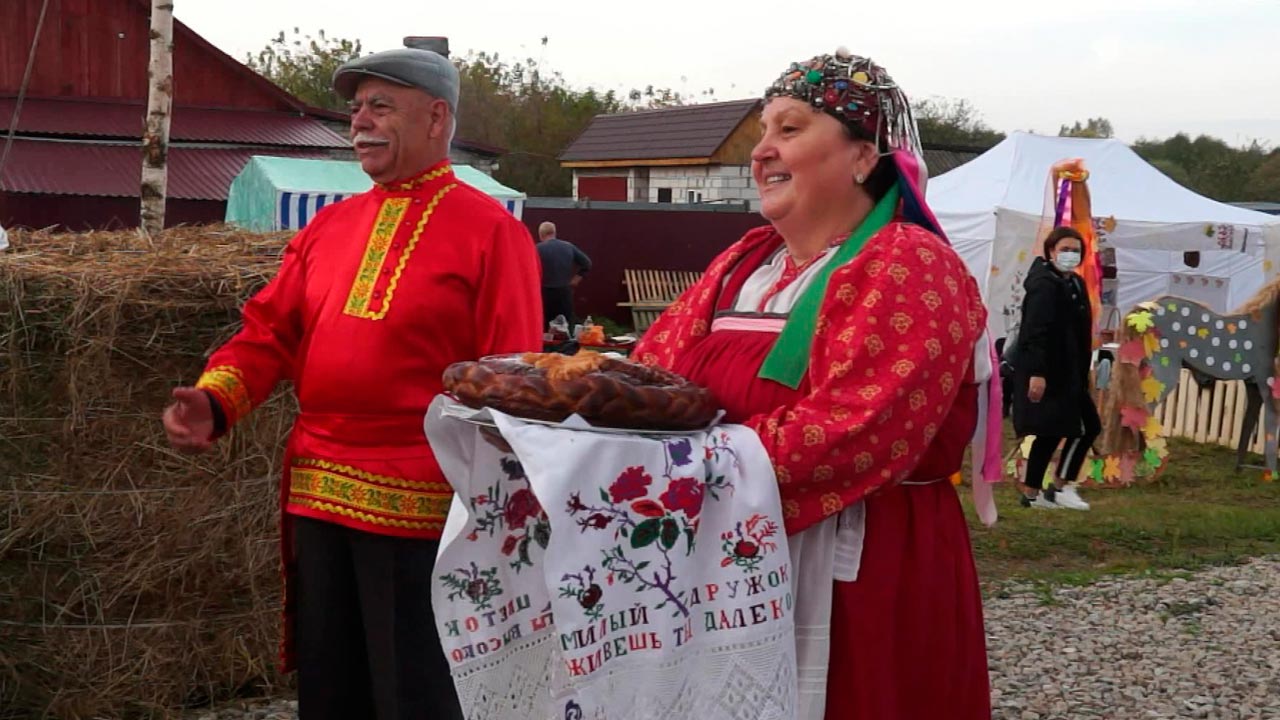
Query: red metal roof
x,y
124,119
115,170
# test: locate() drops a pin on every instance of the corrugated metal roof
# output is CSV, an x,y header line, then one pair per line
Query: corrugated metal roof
x,y
115,170
694,131
124,119
945,159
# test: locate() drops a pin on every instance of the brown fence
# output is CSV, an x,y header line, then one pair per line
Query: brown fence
x,y
635,236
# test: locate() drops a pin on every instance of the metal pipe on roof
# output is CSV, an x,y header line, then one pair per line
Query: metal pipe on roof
x,y
427,42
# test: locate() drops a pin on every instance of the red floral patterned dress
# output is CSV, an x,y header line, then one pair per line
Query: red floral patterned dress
x,y
888,398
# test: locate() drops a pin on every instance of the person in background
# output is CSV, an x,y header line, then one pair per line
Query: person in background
x,y
1051,399
373,300
1006,379
563,267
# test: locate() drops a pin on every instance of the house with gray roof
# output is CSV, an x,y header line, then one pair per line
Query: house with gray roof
x,y
686,154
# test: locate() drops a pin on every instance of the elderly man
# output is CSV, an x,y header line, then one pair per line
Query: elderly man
x,y
563,266
373,300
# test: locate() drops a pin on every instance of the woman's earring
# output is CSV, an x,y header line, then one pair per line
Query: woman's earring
x,y
859,178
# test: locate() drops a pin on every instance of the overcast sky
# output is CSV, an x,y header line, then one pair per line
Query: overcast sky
x,y
1153,67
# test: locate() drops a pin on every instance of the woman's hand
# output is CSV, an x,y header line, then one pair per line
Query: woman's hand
x,y
1035,389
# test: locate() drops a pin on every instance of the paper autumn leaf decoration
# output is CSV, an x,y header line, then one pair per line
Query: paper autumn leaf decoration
x,y
1095,471
1151,389
1111,468
1134,417
1133,352
1160,445
1151,343
1127,465
1151,429
1141,321
1151,457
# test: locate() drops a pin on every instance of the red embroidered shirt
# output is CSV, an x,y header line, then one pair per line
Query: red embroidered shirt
x,y
374,299
891,357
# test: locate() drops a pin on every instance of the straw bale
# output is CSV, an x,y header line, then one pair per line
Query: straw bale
x,y
135,580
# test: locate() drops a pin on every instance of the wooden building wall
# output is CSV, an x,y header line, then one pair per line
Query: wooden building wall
x,y
100,49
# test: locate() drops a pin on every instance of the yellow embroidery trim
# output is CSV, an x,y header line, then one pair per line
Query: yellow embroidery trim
x,y
408,250
375,254
361,297
227,382
418,181
365,517
332,492
371,477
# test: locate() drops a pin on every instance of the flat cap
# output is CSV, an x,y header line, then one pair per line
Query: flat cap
x,y
423,69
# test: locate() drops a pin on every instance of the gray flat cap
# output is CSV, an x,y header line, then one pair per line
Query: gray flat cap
x,y
422,69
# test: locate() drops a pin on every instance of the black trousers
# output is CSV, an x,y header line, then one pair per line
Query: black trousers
x,y
1074,451
558,301
367,646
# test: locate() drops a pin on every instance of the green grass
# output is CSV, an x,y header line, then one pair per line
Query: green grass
x,y
1199,512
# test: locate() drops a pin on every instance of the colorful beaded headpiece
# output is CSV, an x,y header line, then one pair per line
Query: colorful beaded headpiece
x,y
858,93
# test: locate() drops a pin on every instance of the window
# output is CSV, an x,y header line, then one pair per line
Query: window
x,y
694,196
664,195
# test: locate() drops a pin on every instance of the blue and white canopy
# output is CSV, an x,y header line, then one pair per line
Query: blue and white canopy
x,y
280,193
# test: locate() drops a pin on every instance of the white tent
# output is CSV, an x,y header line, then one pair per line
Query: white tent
x,y
991,207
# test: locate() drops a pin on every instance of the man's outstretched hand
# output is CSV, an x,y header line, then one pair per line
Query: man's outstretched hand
x,y
188,422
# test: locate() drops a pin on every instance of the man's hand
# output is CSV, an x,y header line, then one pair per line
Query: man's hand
x,y
574,282
1035,389
188,422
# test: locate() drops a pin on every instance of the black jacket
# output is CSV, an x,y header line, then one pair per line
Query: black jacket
x,y
1054,342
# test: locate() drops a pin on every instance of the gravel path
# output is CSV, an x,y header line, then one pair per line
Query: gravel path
x,y
1206,646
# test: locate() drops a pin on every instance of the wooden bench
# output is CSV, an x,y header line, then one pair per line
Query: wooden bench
x,y
649,292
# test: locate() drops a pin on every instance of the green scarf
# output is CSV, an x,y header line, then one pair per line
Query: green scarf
x,y
788,361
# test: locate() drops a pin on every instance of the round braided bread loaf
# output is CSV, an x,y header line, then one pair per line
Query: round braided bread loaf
x,y
605,391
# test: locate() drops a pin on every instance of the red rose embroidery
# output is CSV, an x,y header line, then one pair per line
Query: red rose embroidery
x,y
632,484
684,494
590,597
521,506
509,545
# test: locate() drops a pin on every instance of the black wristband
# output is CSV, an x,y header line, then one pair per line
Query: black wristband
x,y
219,416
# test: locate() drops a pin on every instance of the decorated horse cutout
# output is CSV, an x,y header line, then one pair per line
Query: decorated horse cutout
x,y
1239,346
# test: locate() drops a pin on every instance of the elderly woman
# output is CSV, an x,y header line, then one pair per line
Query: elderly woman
x,y
843,333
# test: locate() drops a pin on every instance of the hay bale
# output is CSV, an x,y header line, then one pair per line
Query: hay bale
x,y
135,580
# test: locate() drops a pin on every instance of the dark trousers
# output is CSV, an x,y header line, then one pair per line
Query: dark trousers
x,y
558,301
366,636
1074,451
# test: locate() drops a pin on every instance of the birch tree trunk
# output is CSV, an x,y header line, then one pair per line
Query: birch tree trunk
x,y
155,139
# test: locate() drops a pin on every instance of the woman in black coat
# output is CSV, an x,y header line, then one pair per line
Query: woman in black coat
x,y
1051,364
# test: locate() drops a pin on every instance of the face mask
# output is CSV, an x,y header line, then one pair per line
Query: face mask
x,y
1067,261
